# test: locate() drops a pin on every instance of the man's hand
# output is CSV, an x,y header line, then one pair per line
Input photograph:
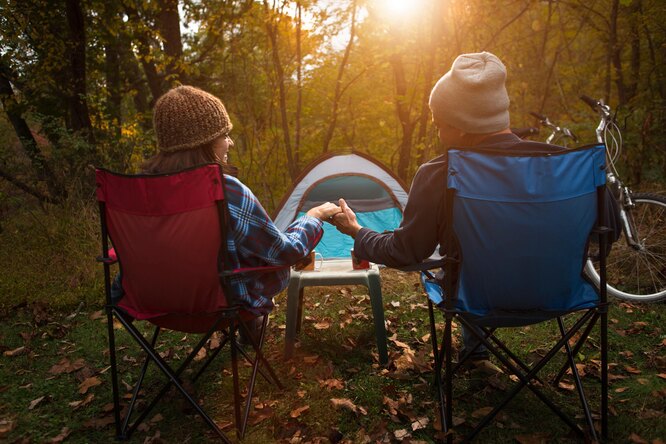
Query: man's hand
x,y
345,221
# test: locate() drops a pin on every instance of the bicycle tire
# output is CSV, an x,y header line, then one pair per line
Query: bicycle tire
x,y
638,275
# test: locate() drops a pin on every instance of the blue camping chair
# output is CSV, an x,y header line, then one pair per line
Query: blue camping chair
x,y
520,223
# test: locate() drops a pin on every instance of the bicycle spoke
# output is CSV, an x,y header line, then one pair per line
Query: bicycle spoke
x,y
640,273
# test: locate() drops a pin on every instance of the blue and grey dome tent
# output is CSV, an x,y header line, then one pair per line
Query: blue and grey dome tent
x,y
371,190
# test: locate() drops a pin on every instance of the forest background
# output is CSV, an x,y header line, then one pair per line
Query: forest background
x,y
79,78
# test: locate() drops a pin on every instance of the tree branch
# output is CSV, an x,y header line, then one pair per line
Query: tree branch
x,y
506,25
25,187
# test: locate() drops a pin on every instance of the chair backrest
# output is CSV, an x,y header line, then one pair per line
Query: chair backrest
x,y
522,223
167,234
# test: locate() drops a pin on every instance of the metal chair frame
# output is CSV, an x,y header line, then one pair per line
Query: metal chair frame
x,y
527,375
228,321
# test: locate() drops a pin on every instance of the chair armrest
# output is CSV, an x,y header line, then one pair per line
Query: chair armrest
x,y
428,264
111,259
228,273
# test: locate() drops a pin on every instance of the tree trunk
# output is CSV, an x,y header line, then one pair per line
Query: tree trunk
x,y
114,100
425,118
271,29
28,142
142,37
79,117
299,84
328,136
635,61
168,20
615,49
403,115
112,57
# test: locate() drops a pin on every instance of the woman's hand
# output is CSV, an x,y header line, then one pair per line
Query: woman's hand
x,y
345,221
325,212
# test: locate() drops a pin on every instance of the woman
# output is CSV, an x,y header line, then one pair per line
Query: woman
x,y
192,127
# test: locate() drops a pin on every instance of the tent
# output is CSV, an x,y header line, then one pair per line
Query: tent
x,y
371,190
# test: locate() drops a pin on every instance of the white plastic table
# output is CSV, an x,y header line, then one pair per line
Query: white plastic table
x,y
334,272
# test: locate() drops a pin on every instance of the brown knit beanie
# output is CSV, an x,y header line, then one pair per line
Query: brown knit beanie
x,y
472,95
186,117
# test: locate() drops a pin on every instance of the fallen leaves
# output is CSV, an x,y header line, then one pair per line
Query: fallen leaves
x,y
99,314
536,438
331,384
323,325
260,414
347,404
64,433
6,426
420,423
65,366
82,403
35,402
310,359
632,370
99,423
89,383
566,386
480,413
299,411
16,352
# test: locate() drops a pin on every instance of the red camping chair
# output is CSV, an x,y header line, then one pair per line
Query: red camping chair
x,y
167,232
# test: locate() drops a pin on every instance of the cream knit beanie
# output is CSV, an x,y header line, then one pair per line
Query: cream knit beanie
x,y
186,117
472,96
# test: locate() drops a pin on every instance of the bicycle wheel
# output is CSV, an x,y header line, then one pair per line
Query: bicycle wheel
x,y
638,274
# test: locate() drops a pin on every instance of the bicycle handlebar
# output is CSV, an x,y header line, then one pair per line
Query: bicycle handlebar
x,y
590,101
538,116
569,133
525,132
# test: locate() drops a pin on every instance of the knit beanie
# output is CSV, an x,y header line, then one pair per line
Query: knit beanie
x,y
472,96
186,117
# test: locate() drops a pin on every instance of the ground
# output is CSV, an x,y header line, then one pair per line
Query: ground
x,y
55,383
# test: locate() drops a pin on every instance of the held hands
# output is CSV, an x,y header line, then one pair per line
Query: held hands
x,y
325,211
345,221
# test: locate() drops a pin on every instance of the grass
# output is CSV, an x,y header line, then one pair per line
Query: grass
x,y
52,339
338,362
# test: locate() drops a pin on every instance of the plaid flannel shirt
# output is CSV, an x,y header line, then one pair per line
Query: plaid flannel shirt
x,y
255,241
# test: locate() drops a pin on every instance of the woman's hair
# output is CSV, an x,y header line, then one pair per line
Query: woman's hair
x,y
170,162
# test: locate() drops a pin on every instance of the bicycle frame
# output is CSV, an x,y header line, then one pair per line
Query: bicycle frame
x,y
621,193
557,132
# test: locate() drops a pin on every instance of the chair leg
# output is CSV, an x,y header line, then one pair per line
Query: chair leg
x,y
293,304
255,366
172,376
114,372
511,355
438,367
604,374
137,386
210,359
576,349
299,318
375,290
577,381
449,376
525,379
234,372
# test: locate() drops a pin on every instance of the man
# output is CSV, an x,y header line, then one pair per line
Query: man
x,y
470,107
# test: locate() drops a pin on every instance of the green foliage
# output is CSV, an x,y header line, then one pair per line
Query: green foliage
x,y
554,51
48,254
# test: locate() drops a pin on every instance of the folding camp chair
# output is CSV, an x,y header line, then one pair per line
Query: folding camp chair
x,y
169,238
520,224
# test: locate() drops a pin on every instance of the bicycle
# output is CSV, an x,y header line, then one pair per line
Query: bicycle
x,y
559,135
636,267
